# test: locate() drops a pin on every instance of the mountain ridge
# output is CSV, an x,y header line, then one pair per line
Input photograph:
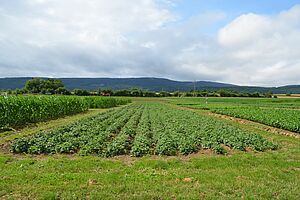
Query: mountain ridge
x,y
148,83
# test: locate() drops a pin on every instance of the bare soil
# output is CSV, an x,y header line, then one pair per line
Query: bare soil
x,y
263,126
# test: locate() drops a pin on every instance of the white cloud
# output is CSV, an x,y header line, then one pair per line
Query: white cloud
x,y
47,36
266,48
120,38
244,30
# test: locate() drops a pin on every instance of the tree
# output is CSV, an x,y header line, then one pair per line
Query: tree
x,y
80,92
53,84
62,90
34,85
269,94
136,93
38,85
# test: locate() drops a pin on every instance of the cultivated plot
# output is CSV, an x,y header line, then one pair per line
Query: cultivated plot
x,y
140,129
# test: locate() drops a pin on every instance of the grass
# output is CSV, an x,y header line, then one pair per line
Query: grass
x,y
43,126
248,175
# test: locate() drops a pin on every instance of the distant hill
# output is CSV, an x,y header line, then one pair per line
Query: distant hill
x,y
150,84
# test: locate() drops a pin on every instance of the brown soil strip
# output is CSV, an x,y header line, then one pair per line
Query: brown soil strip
x,y
283,108
263,126
126,159
244,121
283,96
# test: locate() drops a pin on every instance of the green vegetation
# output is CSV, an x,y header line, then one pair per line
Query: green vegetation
x,y
207,103
31,129
269,175
249,169
279,118
105,102
45,86
56,86
151,84
20,110
279,113
148,128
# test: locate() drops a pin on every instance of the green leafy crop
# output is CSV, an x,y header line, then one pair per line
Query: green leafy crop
x,y
141,129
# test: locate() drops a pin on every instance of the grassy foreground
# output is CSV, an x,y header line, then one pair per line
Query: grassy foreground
x,y
205,175
242,175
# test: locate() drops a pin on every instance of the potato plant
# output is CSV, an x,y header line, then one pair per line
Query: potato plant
x,y
280,118
140,129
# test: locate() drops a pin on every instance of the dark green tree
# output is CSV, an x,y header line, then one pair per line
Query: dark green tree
x,y
38,85
34,85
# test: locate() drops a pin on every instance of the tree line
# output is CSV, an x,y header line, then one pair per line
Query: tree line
x,y
56,86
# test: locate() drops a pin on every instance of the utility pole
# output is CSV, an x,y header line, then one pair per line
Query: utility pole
x,y
194,88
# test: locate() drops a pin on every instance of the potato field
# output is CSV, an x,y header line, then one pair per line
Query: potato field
x,y
148,148
141,129
279,118
283,114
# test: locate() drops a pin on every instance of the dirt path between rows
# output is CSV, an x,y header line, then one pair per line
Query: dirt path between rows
x,y
263,126
244,121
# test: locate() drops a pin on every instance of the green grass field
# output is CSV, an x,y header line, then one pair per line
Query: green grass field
x,y
202,174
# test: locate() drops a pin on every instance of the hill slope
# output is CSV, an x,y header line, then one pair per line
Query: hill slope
x,y
151,84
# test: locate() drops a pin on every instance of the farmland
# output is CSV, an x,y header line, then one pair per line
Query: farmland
x,y
206,103
20,110
279,113
154,148
279,118
142,129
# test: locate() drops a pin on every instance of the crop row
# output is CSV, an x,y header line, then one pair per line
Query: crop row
x,y
280,118
87,136
20,110
211,102
105,102
279,113
140,129
186,132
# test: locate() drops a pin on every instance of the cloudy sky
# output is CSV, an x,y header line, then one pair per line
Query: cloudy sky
x,y
249,42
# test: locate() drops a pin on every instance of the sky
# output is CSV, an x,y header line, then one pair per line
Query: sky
x,y
245,42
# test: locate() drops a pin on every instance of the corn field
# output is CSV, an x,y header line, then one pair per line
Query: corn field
x,y
19,110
